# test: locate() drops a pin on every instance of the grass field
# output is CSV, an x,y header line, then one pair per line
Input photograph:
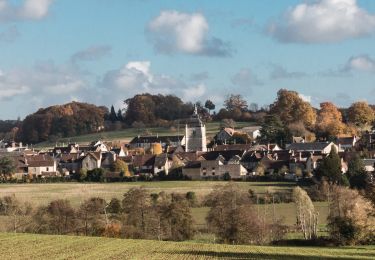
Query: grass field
x,y
77,192
41,194
29,246
127,134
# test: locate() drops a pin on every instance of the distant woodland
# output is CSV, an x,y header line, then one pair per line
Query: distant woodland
x,y
289,115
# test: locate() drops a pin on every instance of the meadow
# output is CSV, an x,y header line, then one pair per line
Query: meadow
x,y
30,246
76,193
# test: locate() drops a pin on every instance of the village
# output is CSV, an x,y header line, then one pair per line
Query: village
x,y
185,157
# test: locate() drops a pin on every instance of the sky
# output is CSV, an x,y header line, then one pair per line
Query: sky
x,y
105,51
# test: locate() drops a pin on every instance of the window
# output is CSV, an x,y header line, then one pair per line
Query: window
x,y
47,169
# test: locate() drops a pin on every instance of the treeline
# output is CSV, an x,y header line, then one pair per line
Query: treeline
x,y
232,217
66,120
291,116
288,116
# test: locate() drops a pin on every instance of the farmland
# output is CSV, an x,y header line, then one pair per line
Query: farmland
x,y
73,247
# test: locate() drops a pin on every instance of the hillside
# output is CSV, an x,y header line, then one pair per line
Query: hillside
x,y
69,247
127,134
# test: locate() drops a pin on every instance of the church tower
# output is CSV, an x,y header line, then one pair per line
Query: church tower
x,y
195,134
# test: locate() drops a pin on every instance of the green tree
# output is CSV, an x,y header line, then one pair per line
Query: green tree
x,y
113,115
7,166
330,167
209,105
356,173
274,131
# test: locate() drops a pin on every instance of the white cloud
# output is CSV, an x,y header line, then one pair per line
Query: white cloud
x,y
136,77
35,9
174,31
361,63
279,72
323,21
27,10
92,53
245,78
305,97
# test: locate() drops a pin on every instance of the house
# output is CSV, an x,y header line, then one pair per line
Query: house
x,y
346,143
108,159
317,147
216,165
144,163
145,142
224,135
69,163
298,139
11,146
162,163
252,131
70,149
91,160
40,165
369,165
120,152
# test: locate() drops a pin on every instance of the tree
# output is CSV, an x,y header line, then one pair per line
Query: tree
x,y
361,114
356,173
273,130
56,218
233,219
136,207
95,175
351,216
119,115
209,105
235,102
330,167
291,108
91,215
112,115
122,167
19,213
307,216
179,220
329,122
7,166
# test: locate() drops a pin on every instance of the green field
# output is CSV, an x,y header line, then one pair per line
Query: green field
x,y
28,246
127,134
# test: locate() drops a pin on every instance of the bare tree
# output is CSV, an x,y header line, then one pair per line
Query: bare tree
x,y
307,216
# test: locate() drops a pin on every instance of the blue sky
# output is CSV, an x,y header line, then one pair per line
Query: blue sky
x,y
104,51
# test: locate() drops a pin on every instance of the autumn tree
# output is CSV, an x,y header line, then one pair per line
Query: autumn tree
x,y
19,213
351,216
235,103
58,217
307,216
361,114
91,216
234,220
291,108
122,167
329,122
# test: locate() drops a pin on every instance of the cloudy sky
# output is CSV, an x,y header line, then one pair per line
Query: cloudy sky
x,y
104,51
